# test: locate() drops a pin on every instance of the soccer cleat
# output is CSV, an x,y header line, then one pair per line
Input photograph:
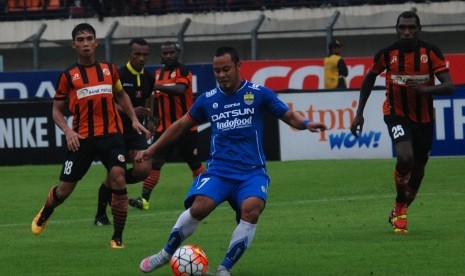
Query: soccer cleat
x,y
139,203
392,215
398,218
38,223
153,262
223,271
116,244
102,221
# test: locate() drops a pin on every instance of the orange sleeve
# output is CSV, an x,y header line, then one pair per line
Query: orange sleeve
x,y
186,80
439,64
62,90
378,65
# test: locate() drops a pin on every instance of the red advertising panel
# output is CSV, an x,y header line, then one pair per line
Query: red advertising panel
x,y
307,74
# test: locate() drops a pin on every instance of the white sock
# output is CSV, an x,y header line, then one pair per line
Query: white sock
x,y
241,239
243,230
184,228
186,223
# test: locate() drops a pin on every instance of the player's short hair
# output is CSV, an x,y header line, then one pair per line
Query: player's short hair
x,y
409,14
138,41
223,50
82,27
171,43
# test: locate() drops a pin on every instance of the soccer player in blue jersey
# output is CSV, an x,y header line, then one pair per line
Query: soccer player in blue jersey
x,y
236,167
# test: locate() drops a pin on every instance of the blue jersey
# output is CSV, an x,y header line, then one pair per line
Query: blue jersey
x,y
237,125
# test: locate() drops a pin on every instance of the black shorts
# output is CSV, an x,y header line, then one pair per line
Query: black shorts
x,y
186,147
402,129
110,149
135,141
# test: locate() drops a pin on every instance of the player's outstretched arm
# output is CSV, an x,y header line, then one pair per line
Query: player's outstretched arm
x,y
171,135
299,122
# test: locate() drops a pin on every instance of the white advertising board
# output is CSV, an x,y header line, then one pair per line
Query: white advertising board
x,y
336,110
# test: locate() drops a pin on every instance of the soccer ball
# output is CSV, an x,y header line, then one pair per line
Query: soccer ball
x,y
189,260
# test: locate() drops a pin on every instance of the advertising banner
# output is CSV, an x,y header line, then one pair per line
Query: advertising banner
x,y
337,110
307,74
28,134
450,124
279,75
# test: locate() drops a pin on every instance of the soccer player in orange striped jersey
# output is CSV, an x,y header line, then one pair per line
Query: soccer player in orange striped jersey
x,y
174,97
90,88
411,65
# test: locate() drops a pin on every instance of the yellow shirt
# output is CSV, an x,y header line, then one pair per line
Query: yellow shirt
x,y
331,72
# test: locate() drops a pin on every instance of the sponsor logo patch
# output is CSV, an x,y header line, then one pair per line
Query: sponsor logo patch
x,y
402,79
94,90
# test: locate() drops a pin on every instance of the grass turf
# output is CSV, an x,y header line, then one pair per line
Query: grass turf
x,y
325,217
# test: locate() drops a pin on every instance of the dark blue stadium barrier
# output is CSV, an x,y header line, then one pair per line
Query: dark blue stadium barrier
x,y
41,84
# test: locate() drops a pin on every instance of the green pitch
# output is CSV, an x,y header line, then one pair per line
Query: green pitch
x,y
322,218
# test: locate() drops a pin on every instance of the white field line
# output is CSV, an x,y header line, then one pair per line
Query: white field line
x,y
225,206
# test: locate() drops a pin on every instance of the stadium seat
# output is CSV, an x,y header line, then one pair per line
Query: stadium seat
x,y
25,5
33,9
34,5
16,6
54,5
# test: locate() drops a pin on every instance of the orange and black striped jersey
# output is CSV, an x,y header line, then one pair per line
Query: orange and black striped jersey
x,y
421,64
173,107
89,90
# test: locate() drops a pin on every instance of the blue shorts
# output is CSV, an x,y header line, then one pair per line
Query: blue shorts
x,y
232,188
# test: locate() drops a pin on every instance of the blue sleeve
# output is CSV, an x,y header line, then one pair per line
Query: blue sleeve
x,y
197,112
274,104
